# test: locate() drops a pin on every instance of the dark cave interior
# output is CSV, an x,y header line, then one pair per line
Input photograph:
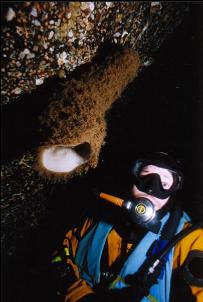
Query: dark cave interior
x,y
160,111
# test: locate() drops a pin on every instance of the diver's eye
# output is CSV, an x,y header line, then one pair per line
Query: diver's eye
x,y
165,185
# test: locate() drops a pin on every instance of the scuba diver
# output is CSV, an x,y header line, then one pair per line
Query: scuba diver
x,y
142,248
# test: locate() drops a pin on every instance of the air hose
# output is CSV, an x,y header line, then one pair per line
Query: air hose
x,y
146,279
158,259
154,268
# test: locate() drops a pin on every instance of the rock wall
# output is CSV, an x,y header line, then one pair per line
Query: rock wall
x,y
43,39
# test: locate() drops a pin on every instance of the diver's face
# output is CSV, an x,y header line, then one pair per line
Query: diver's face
x,y
166,181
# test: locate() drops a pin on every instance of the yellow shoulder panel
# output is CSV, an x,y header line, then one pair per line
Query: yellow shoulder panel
x,y
193,241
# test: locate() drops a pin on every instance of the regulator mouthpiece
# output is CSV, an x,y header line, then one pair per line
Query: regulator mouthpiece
x,y
140,211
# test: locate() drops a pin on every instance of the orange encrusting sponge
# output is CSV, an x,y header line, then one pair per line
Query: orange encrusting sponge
x,y
113,199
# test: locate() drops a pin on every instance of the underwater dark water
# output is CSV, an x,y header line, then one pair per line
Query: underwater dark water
x,y
161,110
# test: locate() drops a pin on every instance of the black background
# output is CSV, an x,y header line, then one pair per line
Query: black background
x,y
161,110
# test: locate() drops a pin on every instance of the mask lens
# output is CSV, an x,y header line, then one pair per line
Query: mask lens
x,y
150,184
155,179
153,184
159,176
166,181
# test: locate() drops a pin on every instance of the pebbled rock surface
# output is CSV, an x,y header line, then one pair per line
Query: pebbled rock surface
x,y
44,39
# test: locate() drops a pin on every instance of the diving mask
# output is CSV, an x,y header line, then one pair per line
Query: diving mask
x,y
141,211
